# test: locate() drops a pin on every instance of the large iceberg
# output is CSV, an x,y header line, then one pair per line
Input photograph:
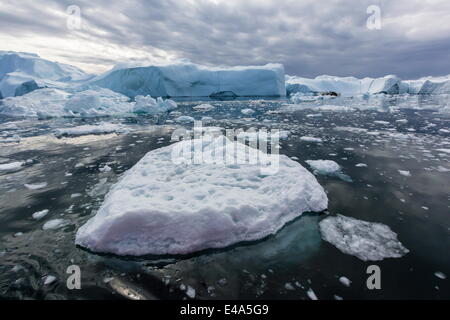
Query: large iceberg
x,y
169,204
346,86
351,86
51,102
192,80
18,69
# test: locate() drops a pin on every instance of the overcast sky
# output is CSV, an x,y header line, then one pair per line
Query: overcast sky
x,y
309,37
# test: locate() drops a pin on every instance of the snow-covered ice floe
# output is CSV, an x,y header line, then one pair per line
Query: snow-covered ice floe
x,y
192,80
50,102
101,128
12,166
367,241
166,204
328,168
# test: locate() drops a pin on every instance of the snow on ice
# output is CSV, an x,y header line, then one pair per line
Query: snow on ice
x,y
367,241
166,204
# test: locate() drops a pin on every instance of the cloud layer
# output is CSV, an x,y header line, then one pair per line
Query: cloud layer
x,y
309,37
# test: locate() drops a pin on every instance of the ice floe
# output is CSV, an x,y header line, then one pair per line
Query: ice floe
x,y
101,128
170,204
367,241
12,166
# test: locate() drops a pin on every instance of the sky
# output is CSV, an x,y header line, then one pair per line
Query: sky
x,y
409,38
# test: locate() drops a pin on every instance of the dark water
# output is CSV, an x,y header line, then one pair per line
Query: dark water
x,y
417,208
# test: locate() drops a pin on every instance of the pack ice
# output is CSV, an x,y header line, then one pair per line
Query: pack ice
x,y
192,80
367,241
167,204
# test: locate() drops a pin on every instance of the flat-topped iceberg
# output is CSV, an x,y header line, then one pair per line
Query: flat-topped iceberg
x,y
192,80
51,102
351,86
346,86
169,204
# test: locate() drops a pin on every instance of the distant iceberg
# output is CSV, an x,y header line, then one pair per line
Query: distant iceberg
x,y
21,73
192,80
350,86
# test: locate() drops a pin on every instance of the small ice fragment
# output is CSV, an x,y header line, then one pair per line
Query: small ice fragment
x,y
345,281
247,111
289,286
40,214
440,275
13,166
311,139
49,280
404,173
311,294
36,186
190,292
55,224
361,165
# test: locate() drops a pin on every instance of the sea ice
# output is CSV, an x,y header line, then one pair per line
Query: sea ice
x,y
36,186
170,204
101,128
10,167
55,224
324,166
367,241
40,214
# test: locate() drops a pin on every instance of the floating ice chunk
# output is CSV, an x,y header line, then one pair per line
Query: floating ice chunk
x,y
101,128
36,186
367,241
345,281
404,173
311,139
48,280
288,286
247,111
150,105
440,275
190,292
311,294
204,107
167,204
324,166
11,167
40,214
384,123
55,224
361,165
185,119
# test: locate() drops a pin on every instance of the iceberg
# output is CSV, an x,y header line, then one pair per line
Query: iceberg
x,y
168,204
52,102
19,69
367,241
345,86
192,80
301,89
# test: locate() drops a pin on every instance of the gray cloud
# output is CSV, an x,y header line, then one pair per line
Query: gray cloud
x,y
309,37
